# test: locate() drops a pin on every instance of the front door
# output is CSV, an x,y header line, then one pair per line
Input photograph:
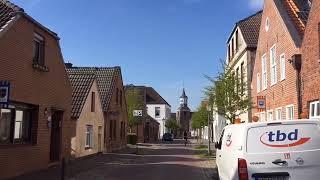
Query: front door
x,y
99,139
55,140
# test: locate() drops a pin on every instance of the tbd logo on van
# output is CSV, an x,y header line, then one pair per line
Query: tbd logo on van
x,y
281,139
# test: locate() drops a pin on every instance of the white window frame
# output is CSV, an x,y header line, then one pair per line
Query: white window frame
x,y
277,114
264,78
315,103
273,65
282,67
287,116
267,25
262,114
89,131
258,82
268,113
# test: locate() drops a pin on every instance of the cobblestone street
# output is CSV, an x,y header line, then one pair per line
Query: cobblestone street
x,y
155,161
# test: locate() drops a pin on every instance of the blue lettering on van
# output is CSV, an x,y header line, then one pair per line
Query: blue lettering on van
x,y
281,136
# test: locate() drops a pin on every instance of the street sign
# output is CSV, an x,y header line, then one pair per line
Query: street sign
x,y
261,101
4,93
137,112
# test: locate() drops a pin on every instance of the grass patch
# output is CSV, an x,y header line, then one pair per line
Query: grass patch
x,y
201,147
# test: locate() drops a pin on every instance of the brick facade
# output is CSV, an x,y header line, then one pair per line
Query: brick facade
x,y
49,91
117,112
280,33
92,118
310,71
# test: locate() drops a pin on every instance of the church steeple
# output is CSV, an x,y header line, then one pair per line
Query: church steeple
x,y
183,99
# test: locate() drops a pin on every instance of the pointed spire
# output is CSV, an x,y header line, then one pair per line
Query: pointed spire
x,y
183,94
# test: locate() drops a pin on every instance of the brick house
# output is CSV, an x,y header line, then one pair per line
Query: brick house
x,y
241,53
111,91
87,113
148,128
35,127
310,69
276,70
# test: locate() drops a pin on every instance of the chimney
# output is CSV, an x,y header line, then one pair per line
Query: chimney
x,y
68,65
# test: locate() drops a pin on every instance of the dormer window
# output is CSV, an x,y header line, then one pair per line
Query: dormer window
x,y
267,26
38,49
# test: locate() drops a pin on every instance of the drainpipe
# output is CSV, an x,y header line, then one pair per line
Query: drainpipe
x,y
296,63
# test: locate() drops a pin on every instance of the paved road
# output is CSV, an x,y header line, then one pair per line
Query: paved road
x,y
169,161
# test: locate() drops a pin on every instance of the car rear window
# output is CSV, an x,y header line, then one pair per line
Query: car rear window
x,y
283,137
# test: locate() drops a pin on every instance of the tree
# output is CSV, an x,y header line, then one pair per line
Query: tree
x,y
172,125
200,118
227,94
134,102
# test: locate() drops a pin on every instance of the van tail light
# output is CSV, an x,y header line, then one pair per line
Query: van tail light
x,y
242,169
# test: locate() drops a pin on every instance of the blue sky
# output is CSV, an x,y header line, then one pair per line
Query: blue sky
x,y
158,43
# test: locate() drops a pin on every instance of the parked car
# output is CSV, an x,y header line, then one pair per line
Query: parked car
x,y
279,150
167,137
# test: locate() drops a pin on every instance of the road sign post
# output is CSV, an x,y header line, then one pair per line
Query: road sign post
x,y
137,113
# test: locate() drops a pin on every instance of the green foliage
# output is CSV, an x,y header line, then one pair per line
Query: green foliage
x,y
134,102
227,94
200,118
172,125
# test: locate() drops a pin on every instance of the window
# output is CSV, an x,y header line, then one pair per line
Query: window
x,y
270,115
229,53
89,137
242,76
278,113
283,66
264,72
232,47
237,77
111,129
157,112
237,40
38,50
273,65
117,96
290,112
114,129
314,111
262,117
267,25
93,101
120,97
16,124
258,83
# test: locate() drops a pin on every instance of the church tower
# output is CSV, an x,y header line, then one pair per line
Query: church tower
x,y
183,115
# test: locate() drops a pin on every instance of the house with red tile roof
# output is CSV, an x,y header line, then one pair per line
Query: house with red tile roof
x,y
310,69
276,71
35,122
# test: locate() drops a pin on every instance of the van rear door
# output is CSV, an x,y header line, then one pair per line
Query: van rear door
x,y
305,156
272,150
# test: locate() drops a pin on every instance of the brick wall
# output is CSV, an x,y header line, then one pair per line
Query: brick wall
x,y
310,71
46,89
95,119
284,92
116,112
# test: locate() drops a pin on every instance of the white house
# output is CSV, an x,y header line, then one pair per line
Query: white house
x,y
241,51
158,108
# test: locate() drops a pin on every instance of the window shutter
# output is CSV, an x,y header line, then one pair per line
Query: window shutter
x,y
42,51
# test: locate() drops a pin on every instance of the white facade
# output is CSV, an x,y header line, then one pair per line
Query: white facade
x,y
240,59
161,113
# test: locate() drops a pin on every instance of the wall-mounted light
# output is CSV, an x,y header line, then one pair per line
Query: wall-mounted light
x,y
45,112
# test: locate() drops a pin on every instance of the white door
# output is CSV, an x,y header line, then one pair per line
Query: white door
x,y
306,156
275,151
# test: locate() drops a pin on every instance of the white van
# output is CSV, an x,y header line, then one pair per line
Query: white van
x,y
277,150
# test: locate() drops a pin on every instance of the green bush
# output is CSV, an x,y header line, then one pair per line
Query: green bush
x,y
132,139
